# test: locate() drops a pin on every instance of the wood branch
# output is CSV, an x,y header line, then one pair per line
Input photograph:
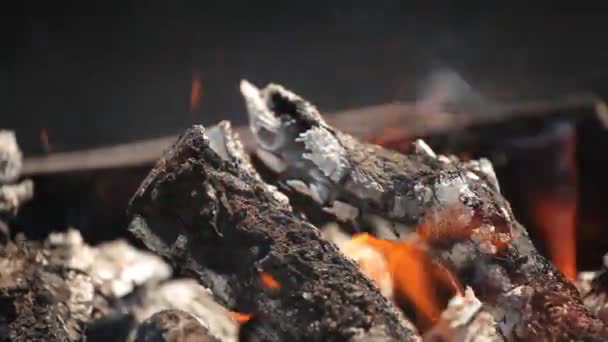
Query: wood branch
x,y
457,208
205,209
413,120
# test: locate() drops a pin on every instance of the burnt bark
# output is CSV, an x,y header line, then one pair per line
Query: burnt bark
x,y
205,209
455,206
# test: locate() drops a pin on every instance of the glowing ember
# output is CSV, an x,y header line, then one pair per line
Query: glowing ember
x,y
408,266
269,281
197,90
240,317
44,139
393,138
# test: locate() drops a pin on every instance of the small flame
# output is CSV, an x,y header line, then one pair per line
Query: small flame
x,y
556,220
269,281
410,268
555,212
240,317
196,91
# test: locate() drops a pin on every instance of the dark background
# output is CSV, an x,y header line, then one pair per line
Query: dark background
x,y
95,73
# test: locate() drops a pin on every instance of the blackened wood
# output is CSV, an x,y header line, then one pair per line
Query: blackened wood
x,y
205,209
39,301
457,208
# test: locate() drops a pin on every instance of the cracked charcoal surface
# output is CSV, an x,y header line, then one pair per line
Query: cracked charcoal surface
x,y
457,207
214,219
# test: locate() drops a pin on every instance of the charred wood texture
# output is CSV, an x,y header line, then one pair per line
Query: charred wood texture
x,y
173,326
41,301
456,208
205,209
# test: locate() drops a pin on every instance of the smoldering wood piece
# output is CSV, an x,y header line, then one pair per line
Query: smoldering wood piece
x,y
457,208
205,209
173,326
465,319
41,301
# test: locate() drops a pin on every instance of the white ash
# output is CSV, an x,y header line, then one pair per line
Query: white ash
x,y
483,166
465,320
265,126
343,211
512,310
325,151
225,142
421,147
116,267
273,162
364,186
11,158
12,196
319,193
298,186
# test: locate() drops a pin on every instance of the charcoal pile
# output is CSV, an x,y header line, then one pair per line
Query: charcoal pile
x,y
315,236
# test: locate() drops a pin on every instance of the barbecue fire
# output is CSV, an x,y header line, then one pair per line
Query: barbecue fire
x,y
442,256
412,272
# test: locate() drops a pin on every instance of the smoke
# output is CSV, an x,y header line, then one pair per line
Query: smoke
x,y
446,90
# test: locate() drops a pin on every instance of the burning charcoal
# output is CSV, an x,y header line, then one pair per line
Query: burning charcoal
x,y
465,320
204,208
457,208
10,157
173,326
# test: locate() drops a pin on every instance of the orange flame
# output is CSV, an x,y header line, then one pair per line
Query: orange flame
x,y
556,220
269,281
555,213
196,91
240,317
409,267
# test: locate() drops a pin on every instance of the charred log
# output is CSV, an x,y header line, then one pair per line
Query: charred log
x,y
457,208
205,209
173,326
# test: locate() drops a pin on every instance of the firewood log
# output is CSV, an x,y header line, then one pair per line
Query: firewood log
x,y
456,207
205,209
